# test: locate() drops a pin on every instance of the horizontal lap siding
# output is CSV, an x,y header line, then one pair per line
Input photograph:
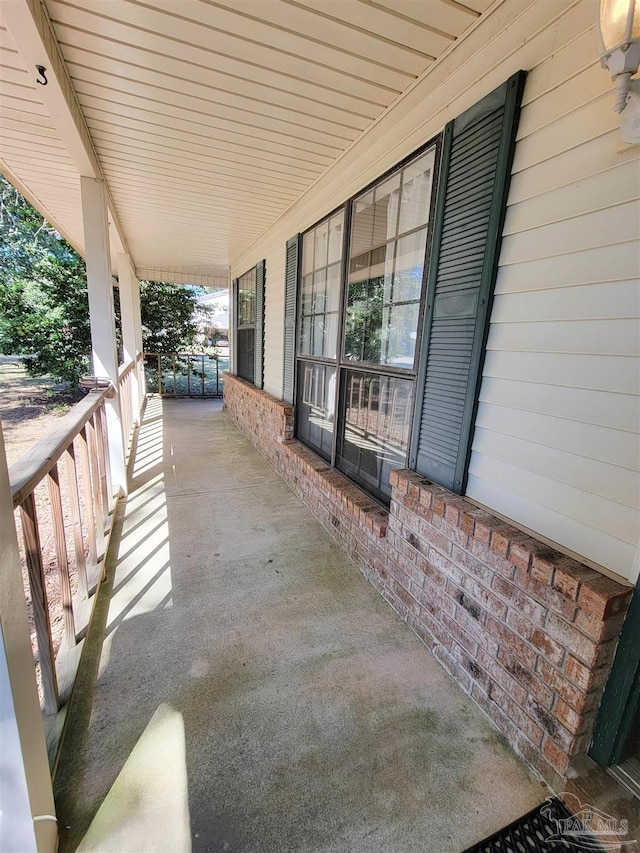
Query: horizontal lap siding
x,y
555,448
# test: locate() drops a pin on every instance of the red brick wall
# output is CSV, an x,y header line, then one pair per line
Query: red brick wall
x,y
527,632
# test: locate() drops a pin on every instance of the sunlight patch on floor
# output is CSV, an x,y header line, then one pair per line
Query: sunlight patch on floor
x,y
153,784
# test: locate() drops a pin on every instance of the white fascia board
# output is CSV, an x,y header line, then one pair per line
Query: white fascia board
x,y
182,276
33,200
33,33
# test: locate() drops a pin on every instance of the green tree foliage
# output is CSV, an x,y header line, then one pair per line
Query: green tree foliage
x,y
169,316
44,308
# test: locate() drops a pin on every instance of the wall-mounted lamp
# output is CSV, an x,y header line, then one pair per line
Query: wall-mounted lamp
x,y
620,44
620,52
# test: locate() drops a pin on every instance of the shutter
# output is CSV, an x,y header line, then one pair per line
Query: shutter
x,y
259,332
290,298
234,329
477,154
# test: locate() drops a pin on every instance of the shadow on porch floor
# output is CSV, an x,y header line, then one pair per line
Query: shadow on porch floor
x,y
245,689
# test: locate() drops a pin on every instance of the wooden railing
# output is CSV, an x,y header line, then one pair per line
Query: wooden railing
x,y
126,376
185,374
78,450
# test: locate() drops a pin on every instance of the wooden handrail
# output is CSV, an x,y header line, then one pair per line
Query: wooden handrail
x,y
124,369
27,472
192,368
78,514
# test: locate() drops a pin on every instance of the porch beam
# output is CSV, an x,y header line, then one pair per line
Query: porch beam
x,y
22,703
31,28
218,279
101,314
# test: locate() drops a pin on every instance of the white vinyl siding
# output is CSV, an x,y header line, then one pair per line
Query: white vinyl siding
x,y
556,447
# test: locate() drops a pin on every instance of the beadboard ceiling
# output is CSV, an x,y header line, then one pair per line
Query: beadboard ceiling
x,y
209,119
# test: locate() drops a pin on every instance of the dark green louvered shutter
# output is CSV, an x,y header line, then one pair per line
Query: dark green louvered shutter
x,y
235,325
259,345
477,155
290,297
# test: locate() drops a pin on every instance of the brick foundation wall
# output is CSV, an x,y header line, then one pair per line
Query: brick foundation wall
x,y
527,632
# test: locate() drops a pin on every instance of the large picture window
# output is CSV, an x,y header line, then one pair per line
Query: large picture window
x,y
360,302
391,318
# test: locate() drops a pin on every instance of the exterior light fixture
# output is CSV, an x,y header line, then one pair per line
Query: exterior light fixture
x,y
620,52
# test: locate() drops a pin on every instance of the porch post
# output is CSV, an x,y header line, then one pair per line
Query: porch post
x,y
101,314
131,323
142,388
25,787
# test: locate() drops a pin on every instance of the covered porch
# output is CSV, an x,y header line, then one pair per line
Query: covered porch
x,y
244,688
426,214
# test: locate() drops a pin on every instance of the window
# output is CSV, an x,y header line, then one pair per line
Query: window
x,y
382,300
386,261
249,313
377,416
386,265
391,318
320,300
246,329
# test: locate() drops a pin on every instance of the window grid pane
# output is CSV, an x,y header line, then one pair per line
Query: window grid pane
x,y
386,266
316,405
384,290
246,325
320,296
247,299
376,412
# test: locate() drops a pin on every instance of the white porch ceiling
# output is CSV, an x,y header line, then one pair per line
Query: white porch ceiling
x,y
208,118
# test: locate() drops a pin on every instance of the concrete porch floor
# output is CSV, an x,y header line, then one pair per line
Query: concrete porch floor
x,y
245,689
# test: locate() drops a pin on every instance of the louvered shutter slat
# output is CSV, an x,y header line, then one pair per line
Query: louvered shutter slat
x,y
259,331
476,163
290,296
234,342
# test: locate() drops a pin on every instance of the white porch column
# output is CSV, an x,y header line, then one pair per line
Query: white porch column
x,y
142,388
101,314
131,323
28,819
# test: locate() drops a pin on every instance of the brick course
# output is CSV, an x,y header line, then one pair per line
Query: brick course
x,y
527,632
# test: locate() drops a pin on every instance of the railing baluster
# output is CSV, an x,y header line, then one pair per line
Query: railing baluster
x,y
129,411
57,517
87,423
40,605
85,468
101,414
130,402
95,482
124,410
203,388
78,539
103,461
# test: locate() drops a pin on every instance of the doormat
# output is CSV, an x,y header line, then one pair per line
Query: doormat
x,y
547,828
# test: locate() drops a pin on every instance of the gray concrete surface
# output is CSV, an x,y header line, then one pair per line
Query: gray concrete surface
x,y
245,689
